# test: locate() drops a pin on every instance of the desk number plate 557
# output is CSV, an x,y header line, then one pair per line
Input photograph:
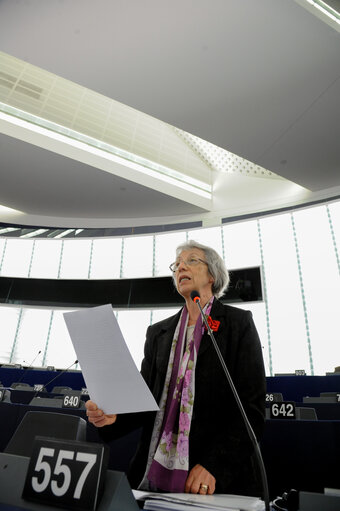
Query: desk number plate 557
x,y
65,473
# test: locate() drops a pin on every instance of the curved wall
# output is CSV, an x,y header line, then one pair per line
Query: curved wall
x,y
296,251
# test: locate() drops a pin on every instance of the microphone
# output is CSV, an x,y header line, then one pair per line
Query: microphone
x,y
28,367
58,376
195,296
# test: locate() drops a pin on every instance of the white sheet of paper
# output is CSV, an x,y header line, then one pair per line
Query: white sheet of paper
x,y
109,371
217,502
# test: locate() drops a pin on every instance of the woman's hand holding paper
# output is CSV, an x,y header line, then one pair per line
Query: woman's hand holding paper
x,y
97,417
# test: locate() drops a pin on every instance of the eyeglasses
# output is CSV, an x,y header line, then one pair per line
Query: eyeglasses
x,y
192,261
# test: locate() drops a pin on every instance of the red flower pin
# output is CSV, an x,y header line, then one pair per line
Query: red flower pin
x,y
213,323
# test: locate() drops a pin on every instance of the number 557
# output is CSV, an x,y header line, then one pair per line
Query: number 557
x,y
44,466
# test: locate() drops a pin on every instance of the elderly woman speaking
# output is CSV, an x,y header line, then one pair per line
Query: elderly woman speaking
x,y
196,442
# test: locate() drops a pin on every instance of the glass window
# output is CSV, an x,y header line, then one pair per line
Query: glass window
x,y
2,248
9,317
159,314
17,258
241,245
75,259
31,336
321,286
133,324
166,245
106,258
60,352
284,300
334,212
46,258
258,311
138,257
212,237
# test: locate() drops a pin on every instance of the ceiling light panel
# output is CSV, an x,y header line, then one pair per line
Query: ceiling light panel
x,y
132,134
328,11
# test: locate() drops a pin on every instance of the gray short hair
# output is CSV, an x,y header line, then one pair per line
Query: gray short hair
x,y
215,263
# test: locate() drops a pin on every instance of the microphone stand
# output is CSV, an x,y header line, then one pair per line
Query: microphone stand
x,y
58,375
29,367
195,297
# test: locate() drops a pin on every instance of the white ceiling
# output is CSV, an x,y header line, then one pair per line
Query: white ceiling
x,y
258,78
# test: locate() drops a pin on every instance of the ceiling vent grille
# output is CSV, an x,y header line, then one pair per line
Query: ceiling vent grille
x,y
7,80
22,86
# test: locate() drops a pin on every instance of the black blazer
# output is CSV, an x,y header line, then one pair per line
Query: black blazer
x,y
218,439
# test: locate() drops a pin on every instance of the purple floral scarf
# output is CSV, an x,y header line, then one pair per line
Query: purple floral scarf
x,y
168,461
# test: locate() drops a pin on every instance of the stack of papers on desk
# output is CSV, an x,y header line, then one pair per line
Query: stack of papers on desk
x,y
192,502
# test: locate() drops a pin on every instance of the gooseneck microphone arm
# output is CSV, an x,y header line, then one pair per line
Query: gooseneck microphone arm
x,y
28,367
56,377
194,295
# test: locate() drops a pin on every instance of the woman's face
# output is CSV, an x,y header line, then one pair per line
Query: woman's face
x,y
193,276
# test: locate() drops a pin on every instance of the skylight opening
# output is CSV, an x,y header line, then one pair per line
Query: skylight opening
x,y
64,233
35,233
9,229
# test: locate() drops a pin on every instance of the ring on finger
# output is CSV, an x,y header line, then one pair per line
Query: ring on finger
x,y
204,487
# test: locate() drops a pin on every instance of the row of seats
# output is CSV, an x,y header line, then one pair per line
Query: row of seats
x,y
324,397
26,386
322,407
